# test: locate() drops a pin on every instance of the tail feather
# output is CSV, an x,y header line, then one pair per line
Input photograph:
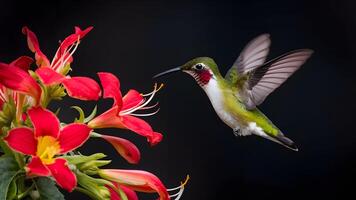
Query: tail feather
x,y
283,140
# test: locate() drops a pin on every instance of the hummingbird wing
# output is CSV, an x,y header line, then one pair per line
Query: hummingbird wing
x,y
252,56
263,80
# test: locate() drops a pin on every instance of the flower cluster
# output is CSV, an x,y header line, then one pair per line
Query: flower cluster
x,y
39,150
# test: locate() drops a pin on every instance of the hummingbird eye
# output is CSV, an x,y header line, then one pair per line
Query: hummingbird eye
x,y
199,66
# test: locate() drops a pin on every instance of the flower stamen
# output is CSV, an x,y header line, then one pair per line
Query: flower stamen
x,y
179,194
145,114
130,111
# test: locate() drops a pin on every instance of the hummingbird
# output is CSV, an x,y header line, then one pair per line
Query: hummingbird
x,y
246,85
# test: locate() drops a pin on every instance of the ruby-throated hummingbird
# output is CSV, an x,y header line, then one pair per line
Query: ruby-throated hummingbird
x,y
248,82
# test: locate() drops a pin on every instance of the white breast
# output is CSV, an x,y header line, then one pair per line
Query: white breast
x,y
215,95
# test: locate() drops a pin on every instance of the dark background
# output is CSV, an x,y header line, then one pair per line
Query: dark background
x,y
135,40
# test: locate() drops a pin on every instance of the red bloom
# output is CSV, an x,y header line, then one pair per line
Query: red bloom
x,y
125,148
13,76
83,88
141,181
64,53
121,115
46,141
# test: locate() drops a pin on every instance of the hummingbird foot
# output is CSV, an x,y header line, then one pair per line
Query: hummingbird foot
x,y
237,131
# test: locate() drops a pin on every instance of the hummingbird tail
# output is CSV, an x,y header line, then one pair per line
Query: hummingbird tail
x,y
283,140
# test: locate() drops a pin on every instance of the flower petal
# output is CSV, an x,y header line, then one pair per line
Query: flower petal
x,y
108,119
111,87
73,136
37,168
131,99
83,88
155,138
62,174
137,180
49,76
125,148
23,62
63,53
22,140
16,79
131,195
32,41
141,127
44,122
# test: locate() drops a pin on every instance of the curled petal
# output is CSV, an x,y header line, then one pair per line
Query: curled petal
x,y
141,181
141,127
32,41
22,140
37,168
23,62
108,119
131,99
155,138
82,88
44,122
62,174
17,79
125,148
49,76
73,136
111,87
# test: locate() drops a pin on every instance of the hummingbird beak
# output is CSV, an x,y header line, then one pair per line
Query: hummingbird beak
x,y
168,72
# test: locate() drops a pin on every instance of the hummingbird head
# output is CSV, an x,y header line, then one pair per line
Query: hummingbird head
x,y
202,69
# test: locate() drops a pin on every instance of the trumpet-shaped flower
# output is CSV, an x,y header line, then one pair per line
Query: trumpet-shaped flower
x,y
83,88
140,181
122,114
64,53
137,180
45,142
125,148
14,76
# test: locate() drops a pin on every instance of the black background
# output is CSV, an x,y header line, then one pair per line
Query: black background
x,y
135,40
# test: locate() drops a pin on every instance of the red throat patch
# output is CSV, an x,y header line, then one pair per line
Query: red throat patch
x,y
203,77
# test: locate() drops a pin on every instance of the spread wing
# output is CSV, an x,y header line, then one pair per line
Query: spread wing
x,y
252,56
265,79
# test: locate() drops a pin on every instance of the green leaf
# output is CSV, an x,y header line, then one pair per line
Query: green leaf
x,y
81,114
91,116
78,159
8,169
48,189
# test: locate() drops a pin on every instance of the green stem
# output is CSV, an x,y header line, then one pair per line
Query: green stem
x,y
24,194
86,192
19,159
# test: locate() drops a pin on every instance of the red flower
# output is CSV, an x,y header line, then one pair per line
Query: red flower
x,y
121,115
51,72
141,181
15,77
46,141
125,148
64,53
83,88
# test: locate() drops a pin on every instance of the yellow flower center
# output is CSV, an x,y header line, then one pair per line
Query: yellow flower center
x,y
47,148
